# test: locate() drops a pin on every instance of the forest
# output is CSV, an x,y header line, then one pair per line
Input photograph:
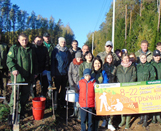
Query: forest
x,y
13,21
135,20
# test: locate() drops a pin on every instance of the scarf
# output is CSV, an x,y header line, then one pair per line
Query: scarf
x,y
61,48
126,65
47,45
77,63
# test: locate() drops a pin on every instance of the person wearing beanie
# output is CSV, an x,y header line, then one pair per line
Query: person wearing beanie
x,y
73,78
60,60
108,49
86,64
74,48
156,63
86,99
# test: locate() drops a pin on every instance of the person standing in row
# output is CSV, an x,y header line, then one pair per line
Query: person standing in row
x,y
22,62
74,48
108,49
3,68
145,72
156,63
85,48
86,64
60,60
144,49
125,72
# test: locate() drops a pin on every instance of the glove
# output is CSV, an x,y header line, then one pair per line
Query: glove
x,y
50,91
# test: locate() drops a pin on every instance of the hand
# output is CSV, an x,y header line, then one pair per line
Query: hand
x,y
77,104
50,91
15,72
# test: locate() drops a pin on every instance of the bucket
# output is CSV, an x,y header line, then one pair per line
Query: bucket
x,y
38,114
39,102
71,96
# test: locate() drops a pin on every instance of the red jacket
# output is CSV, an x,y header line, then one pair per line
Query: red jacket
x,y
86,93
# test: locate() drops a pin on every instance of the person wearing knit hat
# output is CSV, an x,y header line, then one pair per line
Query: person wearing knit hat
x,y
78,54
86,72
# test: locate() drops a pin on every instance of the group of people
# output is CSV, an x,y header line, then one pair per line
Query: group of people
x,y
49,63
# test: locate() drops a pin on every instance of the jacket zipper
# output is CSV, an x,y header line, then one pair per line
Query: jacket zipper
x,y
86,94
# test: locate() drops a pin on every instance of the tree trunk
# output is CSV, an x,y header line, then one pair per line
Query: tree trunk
x,y
125,24
159,16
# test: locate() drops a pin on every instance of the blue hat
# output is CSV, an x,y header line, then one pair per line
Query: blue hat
x,y
86,72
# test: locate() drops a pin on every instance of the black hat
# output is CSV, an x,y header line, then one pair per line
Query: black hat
x,y
156,53
46,34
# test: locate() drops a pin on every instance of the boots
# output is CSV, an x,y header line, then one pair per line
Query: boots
x,y
141,120
122,120
145,121
154,118
158,117
128,118
104,123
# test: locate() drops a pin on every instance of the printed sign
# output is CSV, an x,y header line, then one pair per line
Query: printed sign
x,y
128,98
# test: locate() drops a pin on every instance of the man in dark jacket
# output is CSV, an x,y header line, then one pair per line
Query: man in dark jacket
x,y
60,60
3,68
22,62
74,48
43,64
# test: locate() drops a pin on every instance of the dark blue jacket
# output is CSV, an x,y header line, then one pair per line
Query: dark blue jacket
x,y
60,61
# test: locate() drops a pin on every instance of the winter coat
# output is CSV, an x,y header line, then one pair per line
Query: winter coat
x,y
157,67
82,67
73,73
149,55
110,71
102,55
60,61
51,48
145,72
72,52
128,75
42,58
100,76
24,60
86,93
3,55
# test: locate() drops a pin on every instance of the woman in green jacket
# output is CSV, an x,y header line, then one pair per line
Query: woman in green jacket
x,y
145,72
125,72
86,64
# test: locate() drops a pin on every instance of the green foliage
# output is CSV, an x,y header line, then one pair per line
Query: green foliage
x,y
143,27
4,112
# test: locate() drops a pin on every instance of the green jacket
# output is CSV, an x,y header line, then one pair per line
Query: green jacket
x,y
157,67
3,55
102,55
145,72
128,75
82,67
23,60
149,55
50,49
110,71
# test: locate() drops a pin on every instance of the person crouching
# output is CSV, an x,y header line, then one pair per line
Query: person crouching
x,y
86,98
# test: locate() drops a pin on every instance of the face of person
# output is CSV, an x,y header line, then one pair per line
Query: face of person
x,y
159,48
88,57
78,59
97,65
109,59
46,39
62,43
144,47
132,58
108,48
125,59
143,59
156,58
38,41
118,53
23,41
74,45
87,77
85,49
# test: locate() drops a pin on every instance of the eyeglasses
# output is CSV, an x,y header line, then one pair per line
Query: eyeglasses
x,y
109,46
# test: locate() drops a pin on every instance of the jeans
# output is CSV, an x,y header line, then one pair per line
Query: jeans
x,y
48,74
83,119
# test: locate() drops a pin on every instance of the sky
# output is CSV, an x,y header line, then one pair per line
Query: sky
x,y
83,16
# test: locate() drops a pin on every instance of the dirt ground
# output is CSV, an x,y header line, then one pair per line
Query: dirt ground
x,y
48,123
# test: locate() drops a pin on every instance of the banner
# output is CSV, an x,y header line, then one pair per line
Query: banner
x,y
128,98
